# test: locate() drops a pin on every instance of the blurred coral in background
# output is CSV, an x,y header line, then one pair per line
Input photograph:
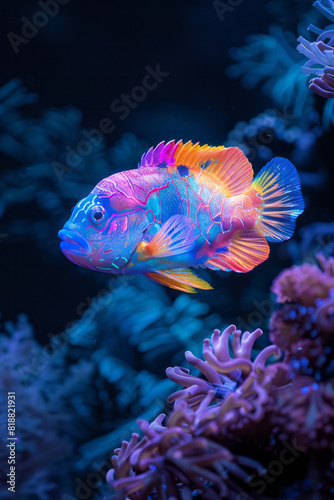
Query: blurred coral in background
x,y
136,330
51,414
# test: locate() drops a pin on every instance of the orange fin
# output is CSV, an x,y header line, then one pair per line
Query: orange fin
x,y
246,250
176,236
215,264
228,165
179,279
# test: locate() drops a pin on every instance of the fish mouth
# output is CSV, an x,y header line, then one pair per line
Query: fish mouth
x,y
72,242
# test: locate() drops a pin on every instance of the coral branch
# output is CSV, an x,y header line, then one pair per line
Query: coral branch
x,y
184,453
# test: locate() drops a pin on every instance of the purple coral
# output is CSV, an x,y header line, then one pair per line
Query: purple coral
x,y
304,326
186,452
168,459
241,388
304,414
320,54
305,284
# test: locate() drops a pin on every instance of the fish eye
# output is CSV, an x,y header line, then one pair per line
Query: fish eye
x,y
97,214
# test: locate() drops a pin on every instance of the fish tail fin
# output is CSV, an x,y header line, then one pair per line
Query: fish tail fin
x,y
278,185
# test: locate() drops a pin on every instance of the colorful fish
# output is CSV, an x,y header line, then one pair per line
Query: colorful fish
x,y
185,206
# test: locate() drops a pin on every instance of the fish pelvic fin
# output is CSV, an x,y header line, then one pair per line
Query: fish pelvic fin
x,y
278,185
229,166
175,237
179,279
246,250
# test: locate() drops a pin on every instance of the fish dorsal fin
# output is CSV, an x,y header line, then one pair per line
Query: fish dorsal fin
x,y
161,156
247,249
179,279
229,166
175,237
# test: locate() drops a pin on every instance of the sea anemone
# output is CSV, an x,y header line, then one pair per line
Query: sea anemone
x,y
186,453
320,53
169,459
241,389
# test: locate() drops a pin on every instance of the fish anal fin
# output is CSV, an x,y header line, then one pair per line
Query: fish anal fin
x,y
246,250
179,279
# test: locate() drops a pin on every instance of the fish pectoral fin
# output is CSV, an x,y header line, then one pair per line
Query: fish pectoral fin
x,y
175,237
215,264
179,279
247,249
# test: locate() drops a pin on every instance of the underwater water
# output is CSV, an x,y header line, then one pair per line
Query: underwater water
x,y
155,349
